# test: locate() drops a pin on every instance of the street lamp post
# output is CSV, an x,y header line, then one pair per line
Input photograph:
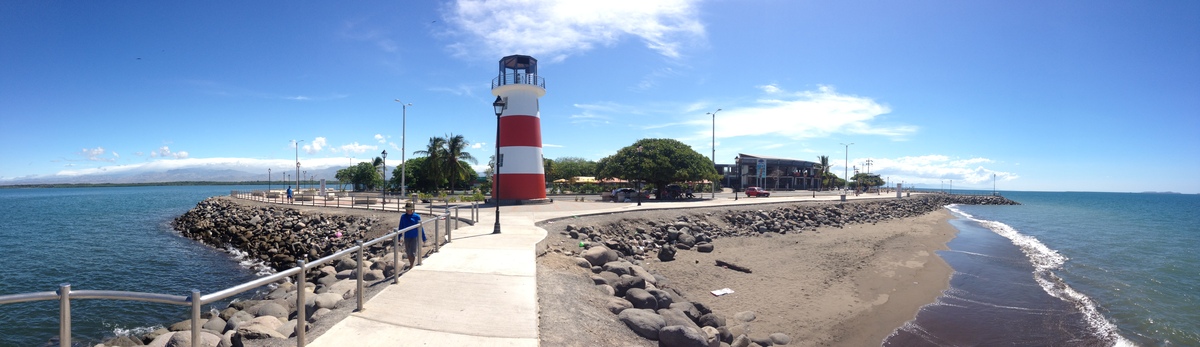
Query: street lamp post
x,y
383,190
499,105
639,173
714,150
403,139
846,169
268,184
298,164
737,165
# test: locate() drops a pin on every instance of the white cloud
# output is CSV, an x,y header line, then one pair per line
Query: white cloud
x,y
380,138
806,114
357,148
551,145
180,155
316,145
564,27
477,145
94,154
929,169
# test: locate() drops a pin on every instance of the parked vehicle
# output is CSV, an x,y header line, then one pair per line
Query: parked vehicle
x,y
756,191
628,193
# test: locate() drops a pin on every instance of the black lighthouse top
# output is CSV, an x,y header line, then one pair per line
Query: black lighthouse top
x,y
518,69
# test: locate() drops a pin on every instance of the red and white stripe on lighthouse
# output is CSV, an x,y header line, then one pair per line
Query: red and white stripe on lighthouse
x,y
519,168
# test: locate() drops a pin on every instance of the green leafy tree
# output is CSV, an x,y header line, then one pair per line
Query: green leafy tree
x,y
660,162
869,180
548,169
363,176
567,167
434,154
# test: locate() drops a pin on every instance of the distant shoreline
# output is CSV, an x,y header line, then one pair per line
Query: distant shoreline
x,y
151,184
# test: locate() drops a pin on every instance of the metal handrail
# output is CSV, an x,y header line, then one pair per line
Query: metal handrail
x,y
65,294
519,78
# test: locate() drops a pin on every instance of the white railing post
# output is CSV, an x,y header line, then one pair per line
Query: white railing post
x,y
196,318
301,314
64,315
360,262
396,257
436,232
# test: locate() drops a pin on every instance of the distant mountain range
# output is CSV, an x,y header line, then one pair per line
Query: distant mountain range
x,y
172,175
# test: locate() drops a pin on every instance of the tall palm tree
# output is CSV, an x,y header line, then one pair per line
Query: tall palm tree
x,y
453,155
824,167
434,153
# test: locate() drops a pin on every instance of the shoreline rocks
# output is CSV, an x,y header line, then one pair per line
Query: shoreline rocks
x,y
648,305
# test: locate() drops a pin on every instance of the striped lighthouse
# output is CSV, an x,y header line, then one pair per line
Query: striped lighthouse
x,y
520,175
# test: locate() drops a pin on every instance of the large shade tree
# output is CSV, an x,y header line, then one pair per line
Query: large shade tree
x,y
364,176
660,162
567,167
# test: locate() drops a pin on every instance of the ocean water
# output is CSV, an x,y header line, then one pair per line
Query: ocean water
x,y
1069,269
116,238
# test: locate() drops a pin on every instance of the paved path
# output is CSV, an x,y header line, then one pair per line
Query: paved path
x,y
481,289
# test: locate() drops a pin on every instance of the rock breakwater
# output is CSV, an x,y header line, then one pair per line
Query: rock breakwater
x,y
274,235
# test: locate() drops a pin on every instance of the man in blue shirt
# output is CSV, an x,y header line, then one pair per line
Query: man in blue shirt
x,y
411,244
289,193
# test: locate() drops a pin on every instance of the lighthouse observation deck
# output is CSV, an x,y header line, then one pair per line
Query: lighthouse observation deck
x,y
518,78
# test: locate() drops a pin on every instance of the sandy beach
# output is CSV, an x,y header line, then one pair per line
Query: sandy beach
x,y
849,286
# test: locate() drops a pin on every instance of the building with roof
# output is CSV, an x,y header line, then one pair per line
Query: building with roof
x,y
770,172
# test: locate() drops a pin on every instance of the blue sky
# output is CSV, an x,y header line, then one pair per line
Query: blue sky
x,y
1062,95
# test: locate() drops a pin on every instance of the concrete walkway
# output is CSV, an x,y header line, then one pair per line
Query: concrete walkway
x,y
481,289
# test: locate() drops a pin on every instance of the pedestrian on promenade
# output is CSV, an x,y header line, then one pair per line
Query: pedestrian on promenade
x,y
411,244
289,193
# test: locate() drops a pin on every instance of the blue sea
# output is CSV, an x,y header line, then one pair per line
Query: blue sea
x,y
1062,269
115,238
1069,269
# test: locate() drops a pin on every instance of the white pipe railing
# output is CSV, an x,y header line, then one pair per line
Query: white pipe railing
x,y
65,294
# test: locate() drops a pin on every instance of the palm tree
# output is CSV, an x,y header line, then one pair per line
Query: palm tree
x,y
434,153
378,164
824,167
454,155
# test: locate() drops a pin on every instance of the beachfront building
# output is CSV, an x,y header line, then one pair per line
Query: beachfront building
x,y
770,173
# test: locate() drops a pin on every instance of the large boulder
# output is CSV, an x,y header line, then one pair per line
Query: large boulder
x,y
327,300
682,336
599,255
616,305
676,317
627,283
260,328
237,319
666,254
645,323
273,309
640,298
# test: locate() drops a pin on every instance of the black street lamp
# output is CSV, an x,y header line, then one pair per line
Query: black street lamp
x,y
268,183
500,105
737,164
639,173
383,190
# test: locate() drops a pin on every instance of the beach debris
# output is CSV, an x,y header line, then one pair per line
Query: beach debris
x,y
722,291
733,266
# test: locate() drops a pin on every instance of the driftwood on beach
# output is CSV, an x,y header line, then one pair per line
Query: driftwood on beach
x,y
733,266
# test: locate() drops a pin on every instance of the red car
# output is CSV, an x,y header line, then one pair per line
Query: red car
x,y
756,191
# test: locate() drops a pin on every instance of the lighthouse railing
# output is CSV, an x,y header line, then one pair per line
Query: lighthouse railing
x,y
519,78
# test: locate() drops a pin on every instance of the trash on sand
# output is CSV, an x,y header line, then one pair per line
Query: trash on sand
x,y
722,291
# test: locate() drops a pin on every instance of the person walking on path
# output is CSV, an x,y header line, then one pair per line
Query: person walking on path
x,y
289,194
411,244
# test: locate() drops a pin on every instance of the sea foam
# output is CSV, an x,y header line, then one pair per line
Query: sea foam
x,y
1045,261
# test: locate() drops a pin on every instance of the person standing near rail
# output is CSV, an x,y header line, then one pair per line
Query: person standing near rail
x,y
411,244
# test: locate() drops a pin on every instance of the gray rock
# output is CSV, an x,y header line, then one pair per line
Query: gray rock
x,y
260,328
780,338
677,317
327,300
741,341
155,334
744,316
597,280
606,289
681,336
184,339
599,255
711,320
123,341
645,323
214,324
688,309
289,328
640,298
726,335
616,305
619,267
739,330
583,263
627,283
316,314
666,254
712,336
185,325
609,277
272,309
687,239
237,319
761,340
704,247
665,298
343,288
